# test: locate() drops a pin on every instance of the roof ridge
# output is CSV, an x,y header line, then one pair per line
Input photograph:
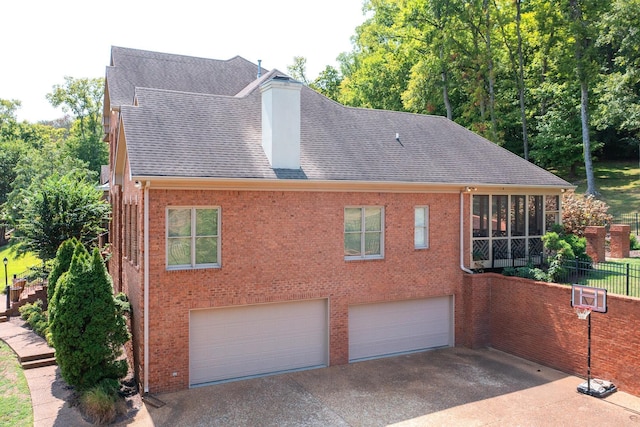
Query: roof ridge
x,y
183,92
257,82
165,56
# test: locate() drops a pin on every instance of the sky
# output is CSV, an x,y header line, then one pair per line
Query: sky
x,y
46,40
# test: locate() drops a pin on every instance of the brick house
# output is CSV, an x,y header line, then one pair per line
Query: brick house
x,y
260,227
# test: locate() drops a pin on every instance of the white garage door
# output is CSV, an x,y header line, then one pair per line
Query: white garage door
x,y
237,342
384,329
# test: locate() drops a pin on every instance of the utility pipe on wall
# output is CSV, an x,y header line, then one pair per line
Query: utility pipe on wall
x,y
462,267
146,287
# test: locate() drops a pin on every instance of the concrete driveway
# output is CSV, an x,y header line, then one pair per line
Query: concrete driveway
x,y
453,386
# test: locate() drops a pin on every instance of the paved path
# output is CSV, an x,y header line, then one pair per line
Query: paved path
x,y
50,394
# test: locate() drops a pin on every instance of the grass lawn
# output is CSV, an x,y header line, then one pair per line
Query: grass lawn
x,y
15,265
15,404
619,184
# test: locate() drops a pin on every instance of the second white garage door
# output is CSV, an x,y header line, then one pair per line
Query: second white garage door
x,y
238,342
384,329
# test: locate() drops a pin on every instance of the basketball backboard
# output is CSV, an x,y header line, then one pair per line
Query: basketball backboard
x,y
586,296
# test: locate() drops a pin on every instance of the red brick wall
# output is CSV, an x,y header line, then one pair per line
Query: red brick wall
x,y
535,321
595,236
281,246
126,275
620,240
475,329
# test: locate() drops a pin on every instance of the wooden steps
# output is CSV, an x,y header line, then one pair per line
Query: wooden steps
x,y
45,358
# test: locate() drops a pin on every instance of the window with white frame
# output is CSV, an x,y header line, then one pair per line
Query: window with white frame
x,y
363,236
421,227
193,237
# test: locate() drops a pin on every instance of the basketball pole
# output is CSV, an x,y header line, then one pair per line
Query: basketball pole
x,y
589,355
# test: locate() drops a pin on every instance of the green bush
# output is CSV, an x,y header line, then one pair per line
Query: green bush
x,y
87,329
634,242
102,403
122,303
60,265
36,318
528,272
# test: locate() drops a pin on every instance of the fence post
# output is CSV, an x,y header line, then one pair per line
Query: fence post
x,y
637,225
628,290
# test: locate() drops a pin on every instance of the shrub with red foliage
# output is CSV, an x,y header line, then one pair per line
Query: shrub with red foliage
x,y
579,212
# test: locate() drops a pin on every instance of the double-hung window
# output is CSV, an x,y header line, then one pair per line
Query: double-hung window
x,y
363,232
421,227
193,237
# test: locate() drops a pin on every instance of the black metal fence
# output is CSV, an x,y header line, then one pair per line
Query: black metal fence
x,y
616,278
632,219
33,276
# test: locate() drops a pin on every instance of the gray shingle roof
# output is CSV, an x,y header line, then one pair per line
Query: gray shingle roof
x,y
131,68
194,135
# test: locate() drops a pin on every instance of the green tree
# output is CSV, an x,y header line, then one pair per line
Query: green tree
x,y
8,108
328,83
619,89
558,144
298,70
10,155
376,72
83,98
87,330
37,163
61,265
61,207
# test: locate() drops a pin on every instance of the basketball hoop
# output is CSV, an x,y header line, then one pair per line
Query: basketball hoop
x,y
582,311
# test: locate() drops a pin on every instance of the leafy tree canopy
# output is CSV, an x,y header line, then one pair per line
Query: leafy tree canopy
x,y
82,98
60,208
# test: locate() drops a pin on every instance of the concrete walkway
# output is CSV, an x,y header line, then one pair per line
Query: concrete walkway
x,y
50,394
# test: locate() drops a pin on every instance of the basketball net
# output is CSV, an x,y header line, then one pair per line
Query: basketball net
x,y
582,311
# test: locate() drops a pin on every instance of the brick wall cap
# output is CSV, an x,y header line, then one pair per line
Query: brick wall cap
x,y
620,228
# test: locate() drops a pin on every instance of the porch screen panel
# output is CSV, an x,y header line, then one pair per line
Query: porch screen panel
x,y
535,216
480,216
518,217
499,216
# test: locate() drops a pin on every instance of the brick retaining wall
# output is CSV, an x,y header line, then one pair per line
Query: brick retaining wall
x,y
535,321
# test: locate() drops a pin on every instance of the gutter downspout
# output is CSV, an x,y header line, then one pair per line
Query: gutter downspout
x,y
462,267
146,287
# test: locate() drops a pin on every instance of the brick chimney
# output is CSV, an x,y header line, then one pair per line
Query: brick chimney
x,y
281,122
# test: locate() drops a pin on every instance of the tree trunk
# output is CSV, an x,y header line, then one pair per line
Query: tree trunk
x,y
586,142
523,111
580,53
445,86
490,71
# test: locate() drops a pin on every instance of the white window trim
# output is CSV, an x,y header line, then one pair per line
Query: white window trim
x,y
425,228
193,265
363,256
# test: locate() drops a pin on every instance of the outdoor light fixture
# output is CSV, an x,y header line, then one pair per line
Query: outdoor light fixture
x,y
5,261
138,185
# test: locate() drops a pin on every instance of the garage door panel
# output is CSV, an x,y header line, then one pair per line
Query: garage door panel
x,y
381,329
237,342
